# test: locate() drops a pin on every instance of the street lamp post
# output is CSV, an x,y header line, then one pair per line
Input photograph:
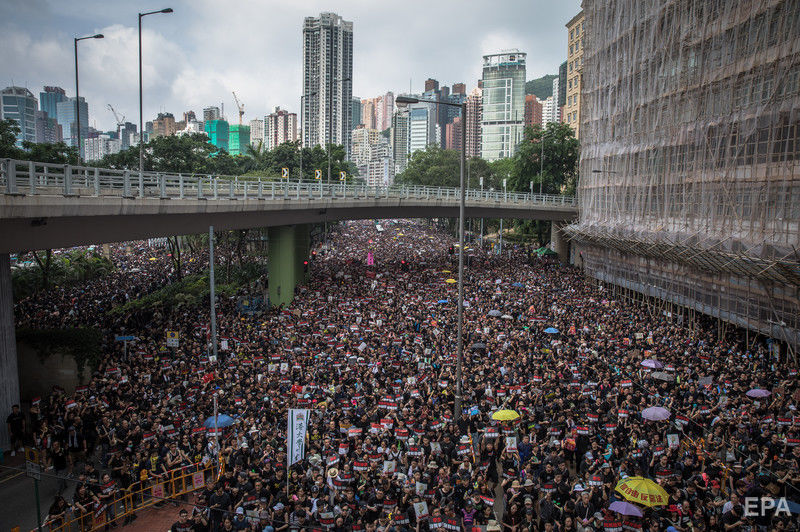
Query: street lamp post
x,y
405,100
141,125
77,90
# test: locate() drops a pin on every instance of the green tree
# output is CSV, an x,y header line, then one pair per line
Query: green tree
x,y
559,172
433,167
56,153
9,130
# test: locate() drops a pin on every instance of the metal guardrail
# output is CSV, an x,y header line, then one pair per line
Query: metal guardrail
x,y
28,178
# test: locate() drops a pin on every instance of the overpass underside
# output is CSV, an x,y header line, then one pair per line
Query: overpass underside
x,y
42,222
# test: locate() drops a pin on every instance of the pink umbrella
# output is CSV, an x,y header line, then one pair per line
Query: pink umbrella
x,y
758,392
652,364
655,413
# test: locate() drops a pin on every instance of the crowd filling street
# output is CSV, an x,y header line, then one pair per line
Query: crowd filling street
x,y
600,391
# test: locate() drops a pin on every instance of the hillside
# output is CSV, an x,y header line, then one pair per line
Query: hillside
x,y
541,87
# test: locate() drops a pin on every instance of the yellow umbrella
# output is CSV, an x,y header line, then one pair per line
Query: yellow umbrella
x,y
642,491
446,271
505,415
153,258
451,281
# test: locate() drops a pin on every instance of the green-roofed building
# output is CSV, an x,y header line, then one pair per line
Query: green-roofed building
x,y
238,139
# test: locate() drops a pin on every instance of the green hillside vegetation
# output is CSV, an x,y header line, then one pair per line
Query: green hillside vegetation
x,y
541,87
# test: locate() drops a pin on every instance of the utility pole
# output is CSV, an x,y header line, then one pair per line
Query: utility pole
x,y
212,290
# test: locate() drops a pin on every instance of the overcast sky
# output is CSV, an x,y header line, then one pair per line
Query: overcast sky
x,y
196,56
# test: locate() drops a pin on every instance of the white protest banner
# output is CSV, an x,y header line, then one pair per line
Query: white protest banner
x,y
298,423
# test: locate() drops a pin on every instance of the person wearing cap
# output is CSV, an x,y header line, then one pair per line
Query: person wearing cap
x,y
240,521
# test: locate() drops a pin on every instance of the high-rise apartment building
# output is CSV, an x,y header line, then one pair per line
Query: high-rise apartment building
x,y
20,105
238,139
399,139
533,110
47,129
453,135
164,125
474,122
363,138
575,30
376,113
356,112
211,113
503,104
368,115
380,169
279,127
101,145
459,88
689,186
423,129
65,114
327,81
257,139
550,111
562,84
431,85
127,135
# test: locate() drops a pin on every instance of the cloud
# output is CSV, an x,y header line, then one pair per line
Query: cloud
x,y
206,49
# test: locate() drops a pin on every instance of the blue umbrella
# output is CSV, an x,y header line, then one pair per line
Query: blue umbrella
x,y
551,330
443,301
518,285
222,421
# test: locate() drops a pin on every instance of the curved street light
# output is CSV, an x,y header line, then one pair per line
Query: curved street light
x,y
77,91
141,126
403,101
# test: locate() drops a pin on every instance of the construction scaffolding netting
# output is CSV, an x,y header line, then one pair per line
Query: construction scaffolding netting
x,y
689,183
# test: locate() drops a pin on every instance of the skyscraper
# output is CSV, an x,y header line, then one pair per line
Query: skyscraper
x,y
550,111
503,104
47,129
48,100
20,105
453,135
356,112
327,81
257,134
431,85
574,67
65,114
474,122
400,139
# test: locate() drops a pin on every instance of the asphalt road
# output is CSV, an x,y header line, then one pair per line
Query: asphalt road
x,y
18,495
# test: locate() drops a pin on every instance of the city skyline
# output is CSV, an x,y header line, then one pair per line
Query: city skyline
x,y
183,72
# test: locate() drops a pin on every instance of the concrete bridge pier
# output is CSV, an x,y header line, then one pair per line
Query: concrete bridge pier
x,y
288,248
558,241
9,374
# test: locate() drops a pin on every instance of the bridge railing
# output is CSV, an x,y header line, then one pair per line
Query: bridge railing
x,y
28,178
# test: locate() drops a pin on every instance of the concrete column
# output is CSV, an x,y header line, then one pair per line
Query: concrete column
x,y
302,248
282,268
559,242
9,374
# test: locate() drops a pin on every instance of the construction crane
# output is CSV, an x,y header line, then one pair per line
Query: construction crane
x,y
120,121
240,106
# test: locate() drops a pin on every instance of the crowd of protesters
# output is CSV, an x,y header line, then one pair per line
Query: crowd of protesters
x,y
369,347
